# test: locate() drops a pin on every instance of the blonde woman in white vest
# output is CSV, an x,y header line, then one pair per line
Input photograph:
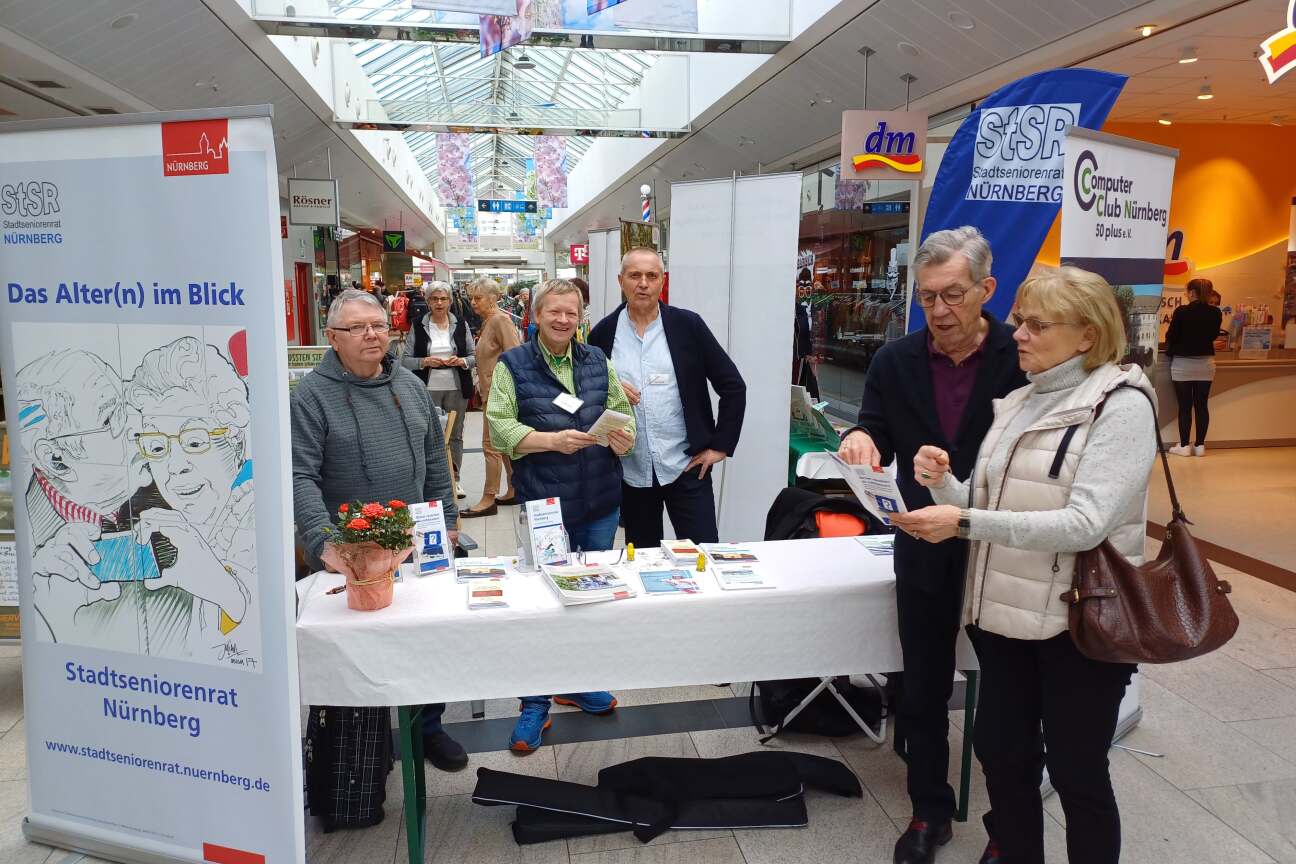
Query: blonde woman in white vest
x,y
1063,468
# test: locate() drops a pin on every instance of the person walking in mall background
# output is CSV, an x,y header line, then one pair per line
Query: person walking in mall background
x,y
1190,345
936,384
1082,406
803,338
497,336
439,349
666,356
364,428
545,396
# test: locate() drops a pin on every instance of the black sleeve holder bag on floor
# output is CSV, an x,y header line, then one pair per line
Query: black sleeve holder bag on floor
x,y
1162,611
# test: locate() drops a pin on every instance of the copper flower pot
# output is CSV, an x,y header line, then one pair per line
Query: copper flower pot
x,y
372,577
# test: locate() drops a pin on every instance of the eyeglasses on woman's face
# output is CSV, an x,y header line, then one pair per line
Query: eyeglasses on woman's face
x,y
1035,326
157,445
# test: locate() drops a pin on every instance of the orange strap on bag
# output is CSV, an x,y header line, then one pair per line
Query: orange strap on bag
x,y
838,524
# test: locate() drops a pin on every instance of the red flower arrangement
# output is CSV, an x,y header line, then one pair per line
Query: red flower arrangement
x,y
388,527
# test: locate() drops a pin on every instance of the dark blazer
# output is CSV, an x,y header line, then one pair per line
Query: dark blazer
x,y
804,341
697,358
898,411
1193,329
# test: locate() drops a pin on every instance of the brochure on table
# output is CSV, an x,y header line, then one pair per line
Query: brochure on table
x,y
876,490
546,539
432,550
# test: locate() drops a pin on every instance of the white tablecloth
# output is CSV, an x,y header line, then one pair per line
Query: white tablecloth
x,y
833,613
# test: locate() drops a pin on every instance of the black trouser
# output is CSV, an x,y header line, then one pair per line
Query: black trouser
x,y
928,618
689,501
1193,397
1029,685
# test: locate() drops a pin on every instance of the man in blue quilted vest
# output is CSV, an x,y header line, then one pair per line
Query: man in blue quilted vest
x,y
545,396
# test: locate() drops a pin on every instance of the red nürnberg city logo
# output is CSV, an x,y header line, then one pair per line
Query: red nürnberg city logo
x,y
195,147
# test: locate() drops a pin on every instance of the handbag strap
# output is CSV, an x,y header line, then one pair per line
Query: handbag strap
x,y
1176,512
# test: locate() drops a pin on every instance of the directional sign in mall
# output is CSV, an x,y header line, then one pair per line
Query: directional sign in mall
x,y
393,241
506,205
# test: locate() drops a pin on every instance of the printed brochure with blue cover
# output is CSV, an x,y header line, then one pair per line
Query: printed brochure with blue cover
x,y
668,582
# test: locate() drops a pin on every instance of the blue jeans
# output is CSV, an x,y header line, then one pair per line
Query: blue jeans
x,y
597,535
594,536
432,718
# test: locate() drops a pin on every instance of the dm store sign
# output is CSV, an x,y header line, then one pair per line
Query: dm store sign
x,y
883,145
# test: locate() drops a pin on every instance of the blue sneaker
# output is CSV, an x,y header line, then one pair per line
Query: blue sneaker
x,y
598,702
531,724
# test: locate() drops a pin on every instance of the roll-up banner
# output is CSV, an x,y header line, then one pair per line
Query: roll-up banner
x,y
145,371
1115,213
1002,171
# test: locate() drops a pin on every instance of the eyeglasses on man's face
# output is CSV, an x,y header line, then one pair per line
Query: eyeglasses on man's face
x,y
1035,326
950,296
379,328
157,445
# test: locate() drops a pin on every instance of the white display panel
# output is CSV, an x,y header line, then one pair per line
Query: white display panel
x,y
733,261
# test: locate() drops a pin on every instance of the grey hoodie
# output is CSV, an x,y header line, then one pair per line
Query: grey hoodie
x,y
367,439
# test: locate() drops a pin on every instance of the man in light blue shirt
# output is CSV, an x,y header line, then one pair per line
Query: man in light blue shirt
x,y
665,357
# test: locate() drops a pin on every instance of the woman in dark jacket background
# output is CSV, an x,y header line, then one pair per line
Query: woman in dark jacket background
x,y
1190,345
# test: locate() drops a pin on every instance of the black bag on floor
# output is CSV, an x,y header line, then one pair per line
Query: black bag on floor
x,y
771,701
348,755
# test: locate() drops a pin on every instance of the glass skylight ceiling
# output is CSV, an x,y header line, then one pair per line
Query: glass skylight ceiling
x,y
488,90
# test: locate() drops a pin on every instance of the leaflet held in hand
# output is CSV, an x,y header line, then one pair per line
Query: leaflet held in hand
x,y
608,422
876,490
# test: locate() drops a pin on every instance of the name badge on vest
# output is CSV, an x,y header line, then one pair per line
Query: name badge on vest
x,y
568,402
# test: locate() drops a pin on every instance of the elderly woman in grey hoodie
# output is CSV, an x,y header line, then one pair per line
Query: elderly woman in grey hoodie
x,y
1063,468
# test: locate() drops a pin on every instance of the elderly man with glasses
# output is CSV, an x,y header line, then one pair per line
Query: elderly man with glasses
x,y
364,427
934,385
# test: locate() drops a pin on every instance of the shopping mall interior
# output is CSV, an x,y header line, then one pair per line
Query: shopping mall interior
x,y
687,126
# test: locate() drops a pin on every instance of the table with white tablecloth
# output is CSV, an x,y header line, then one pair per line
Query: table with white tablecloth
x,y
832,612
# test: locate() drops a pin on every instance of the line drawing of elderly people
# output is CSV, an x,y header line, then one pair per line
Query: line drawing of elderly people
x,y
193,438
73,427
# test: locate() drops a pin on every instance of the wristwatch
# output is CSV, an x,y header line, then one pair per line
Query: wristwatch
x,y
964,523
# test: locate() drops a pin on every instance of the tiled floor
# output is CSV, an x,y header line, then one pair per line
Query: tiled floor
x,y
1225,790
1239,499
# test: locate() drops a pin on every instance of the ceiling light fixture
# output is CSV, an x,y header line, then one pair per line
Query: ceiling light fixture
x,y
1189,56
124,21
961,20
1165,120
1146,30
908,48
525,63
1205,93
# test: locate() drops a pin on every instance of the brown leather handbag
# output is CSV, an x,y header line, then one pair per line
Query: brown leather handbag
x,y
1162,611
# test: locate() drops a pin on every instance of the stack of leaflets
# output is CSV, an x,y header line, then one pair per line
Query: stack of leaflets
x,y
740,577
576,584
729,553
878,544
668,582
683,552
487,594
471,569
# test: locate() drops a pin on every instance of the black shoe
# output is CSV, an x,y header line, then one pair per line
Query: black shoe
x,y
992,855
444,752
476,514
507,502
918,844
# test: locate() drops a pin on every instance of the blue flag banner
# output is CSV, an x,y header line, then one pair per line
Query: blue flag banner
x,y
1003,170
